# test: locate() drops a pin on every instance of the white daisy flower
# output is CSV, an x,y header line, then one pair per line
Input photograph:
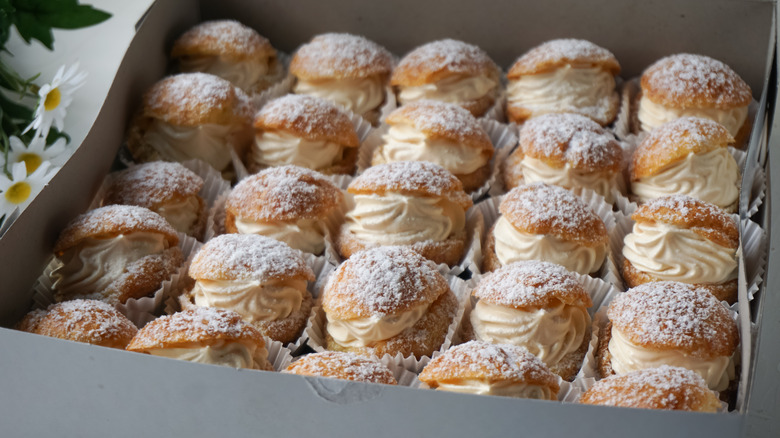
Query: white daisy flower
x,y
21,189
55,98
36,153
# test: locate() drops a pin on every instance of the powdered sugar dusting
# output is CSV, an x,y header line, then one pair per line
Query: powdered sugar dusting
x,y
342,365
151,184
678,77
667,138
675,315
342,55
567,50
538,205
248,256
197,323
409,177
671,208
85,320
573,139
450,120
314,116
118,217
532,283
381,281
665,387
226,34
448,54
190,90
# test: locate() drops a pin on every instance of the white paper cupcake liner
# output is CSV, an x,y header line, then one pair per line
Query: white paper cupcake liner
x,y
317,323
754,248
139,311
279,356
496,112
622,125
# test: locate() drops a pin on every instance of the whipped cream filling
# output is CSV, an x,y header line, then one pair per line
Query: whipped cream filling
x,y
603,183
500,388
181,215
226,353
627,357
248,74
365,332
711,177
254,300
277,148
549,334
588,91
452,89
406,143
671,253
360,95
94,264
652,115
208,142
395,219
513,245
307,235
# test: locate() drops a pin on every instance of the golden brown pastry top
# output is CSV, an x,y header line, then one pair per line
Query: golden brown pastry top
x,y
340,56
416,178
536,284
703,218
668,315
89,321
442,121
673,141
196,327
111,221
152,184
437,60
694,81
194,99
284,193
307,117
560,139
479,360
248,257
546,209
382,281
664,387
558,53
227,38
342,365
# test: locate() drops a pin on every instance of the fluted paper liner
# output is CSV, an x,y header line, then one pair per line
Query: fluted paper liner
x,y
401,375
315,330
139,311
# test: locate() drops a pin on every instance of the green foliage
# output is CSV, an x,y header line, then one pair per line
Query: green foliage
x,y
34,19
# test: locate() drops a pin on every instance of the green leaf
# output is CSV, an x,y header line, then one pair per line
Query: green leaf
x,y
75,18
16,110
30,28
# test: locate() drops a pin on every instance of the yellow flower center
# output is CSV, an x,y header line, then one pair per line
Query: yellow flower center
x,y
32,161
18,193
53,99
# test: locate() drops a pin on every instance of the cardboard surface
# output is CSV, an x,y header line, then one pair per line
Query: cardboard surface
x,y
74,389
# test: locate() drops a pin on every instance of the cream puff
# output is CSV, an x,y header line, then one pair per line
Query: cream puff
x,y
448,71
387,300
564,76
537,305
411,203
168,189
547,223
192,115
342,365
347,69
669,323
678,238
304,131
260,278
441,133
288,203
204,335
567,150
695,86
89,321
230,50
687,156
482,368
665,387
115,253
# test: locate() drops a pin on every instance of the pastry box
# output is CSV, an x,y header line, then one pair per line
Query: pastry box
x,y
76,389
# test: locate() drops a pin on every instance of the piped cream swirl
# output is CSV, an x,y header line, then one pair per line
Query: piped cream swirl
x,y
249,74
499,388
365,332
252,299
652,115
307,235
208,142
672,253
357,95
549,334
453,89
231,354
603,183
711,177
514,245
181,215
277,148
627,357
395,219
